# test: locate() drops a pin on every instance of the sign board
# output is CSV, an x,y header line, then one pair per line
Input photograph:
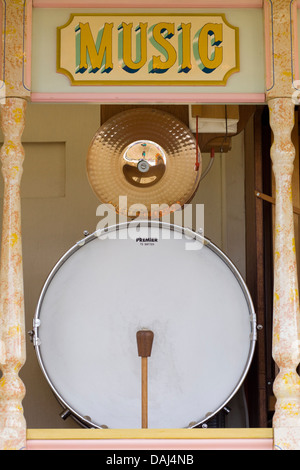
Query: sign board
x,y
142,49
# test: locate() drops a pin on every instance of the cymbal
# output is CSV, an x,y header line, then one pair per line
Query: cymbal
x,y
146,155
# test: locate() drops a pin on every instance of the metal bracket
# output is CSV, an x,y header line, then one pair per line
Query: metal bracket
x,y
253,335
33,333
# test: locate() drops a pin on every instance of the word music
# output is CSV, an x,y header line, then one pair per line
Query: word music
x,y
95,55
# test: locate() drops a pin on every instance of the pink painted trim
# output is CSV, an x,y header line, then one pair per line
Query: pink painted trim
x,y
145,444
147,4
185,98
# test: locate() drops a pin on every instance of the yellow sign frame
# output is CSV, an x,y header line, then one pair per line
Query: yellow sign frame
x,y
209,24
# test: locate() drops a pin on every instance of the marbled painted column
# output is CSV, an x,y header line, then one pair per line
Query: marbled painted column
x,y
286,316
281,71
12,334
15,58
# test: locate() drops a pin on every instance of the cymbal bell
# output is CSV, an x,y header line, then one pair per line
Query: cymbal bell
x,y
146,155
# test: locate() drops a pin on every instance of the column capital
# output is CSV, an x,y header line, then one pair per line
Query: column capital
x,y
15,48
281,48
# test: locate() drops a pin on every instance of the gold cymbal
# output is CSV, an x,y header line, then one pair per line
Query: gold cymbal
x,y
147,155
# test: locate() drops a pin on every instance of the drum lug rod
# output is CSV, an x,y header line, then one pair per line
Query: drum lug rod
x,y
31,334
65,414
34,338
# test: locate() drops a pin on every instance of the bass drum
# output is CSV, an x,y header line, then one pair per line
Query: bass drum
x,y
148,275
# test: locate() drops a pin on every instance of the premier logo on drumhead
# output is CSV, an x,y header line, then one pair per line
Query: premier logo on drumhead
x,y
146,241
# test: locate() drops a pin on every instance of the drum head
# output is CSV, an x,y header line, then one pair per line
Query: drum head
x,y
153,276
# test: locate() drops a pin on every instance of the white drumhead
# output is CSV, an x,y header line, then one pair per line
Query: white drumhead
x,y
113,284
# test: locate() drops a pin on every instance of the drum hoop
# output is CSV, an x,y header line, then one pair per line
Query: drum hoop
x,y
155,224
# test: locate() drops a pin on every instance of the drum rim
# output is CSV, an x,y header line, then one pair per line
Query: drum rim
x,y
84,421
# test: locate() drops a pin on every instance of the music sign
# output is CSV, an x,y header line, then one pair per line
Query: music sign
x,y
116,49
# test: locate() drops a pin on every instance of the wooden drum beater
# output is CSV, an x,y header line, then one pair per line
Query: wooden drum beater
x,y
144,343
